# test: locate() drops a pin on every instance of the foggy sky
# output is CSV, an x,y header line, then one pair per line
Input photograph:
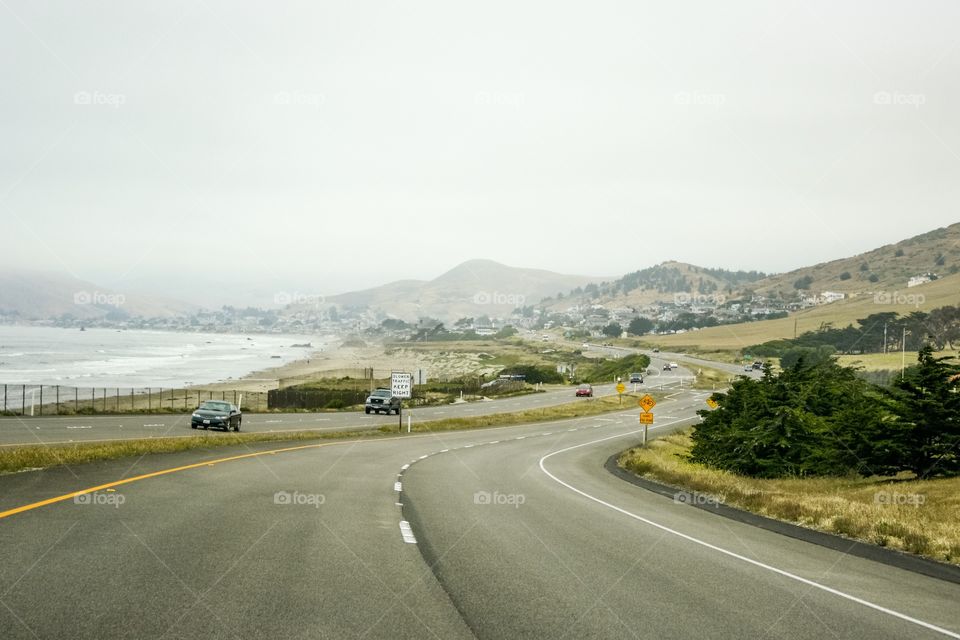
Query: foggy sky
x,y
182,146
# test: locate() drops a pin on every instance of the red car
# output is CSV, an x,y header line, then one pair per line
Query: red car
x,y
584,391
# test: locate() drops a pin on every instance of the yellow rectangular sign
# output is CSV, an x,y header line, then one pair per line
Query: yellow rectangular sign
x,y
646,418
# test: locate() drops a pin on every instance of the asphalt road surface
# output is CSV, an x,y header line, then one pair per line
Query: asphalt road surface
x,y
79,428
66,429
514,532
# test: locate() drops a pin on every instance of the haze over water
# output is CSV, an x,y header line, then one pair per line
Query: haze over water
x,y
111,358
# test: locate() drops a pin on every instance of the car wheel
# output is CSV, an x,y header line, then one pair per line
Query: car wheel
x,y
366,411
204,427
237,428
193,426
398,410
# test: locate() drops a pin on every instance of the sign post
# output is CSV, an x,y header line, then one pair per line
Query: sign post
x,y
646,418
401,386
620,390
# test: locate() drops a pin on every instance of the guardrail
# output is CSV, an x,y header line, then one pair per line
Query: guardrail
x,y
40,400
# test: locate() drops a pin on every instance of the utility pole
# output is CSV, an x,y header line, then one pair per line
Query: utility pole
x,y
903,352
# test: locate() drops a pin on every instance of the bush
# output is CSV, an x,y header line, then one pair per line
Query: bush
x,y
608,370
533,373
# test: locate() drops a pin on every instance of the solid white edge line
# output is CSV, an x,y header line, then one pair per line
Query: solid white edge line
x,y
737,556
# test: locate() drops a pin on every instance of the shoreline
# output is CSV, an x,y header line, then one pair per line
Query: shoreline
x,y
148,358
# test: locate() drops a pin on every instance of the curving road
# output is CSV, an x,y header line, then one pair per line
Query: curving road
x,y
513,532
67,429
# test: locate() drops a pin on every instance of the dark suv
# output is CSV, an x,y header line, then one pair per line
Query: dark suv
x,y
382,400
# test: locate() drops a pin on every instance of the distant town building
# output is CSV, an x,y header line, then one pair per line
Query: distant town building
x,y
916,281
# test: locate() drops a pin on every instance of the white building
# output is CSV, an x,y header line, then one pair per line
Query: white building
x,y
916,281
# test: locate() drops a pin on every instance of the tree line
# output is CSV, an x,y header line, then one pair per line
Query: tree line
x,y
877,333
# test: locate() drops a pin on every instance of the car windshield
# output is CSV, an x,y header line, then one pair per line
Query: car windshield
x,y
583,386
215,406
382,392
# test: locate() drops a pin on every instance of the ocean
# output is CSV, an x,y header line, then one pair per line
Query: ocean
x,y
111,358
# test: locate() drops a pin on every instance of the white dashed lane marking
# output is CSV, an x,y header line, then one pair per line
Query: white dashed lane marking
x,y
407,532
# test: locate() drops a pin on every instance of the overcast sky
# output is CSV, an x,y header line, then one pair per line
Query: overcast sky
x,y
332,146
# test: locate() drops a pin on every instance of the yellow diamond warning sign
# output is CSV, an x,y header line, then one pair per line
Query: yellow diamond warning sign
x,y
647,402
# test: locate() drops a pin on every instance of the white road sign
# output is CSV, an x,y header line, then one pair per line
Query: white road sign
x,y
401,384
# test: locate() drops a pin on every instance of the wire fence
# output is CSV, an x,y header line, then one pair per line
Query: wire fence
x,y
41,400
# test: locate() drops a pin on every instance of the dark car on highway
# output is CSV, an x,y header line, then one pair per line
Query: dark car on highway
x,y
382,400
636,378
216,413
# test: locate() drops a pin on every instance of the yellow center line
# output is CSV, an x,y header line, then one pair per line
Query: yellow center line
x,y
206,463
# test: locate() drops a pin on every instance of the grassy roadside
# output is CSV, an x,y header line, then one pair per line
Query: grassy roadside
x,y
583,408
40,456
710,378
916,516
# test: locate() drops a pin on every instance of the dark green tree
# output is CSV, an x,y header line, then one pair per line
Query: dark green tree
x,y
613,330
928,406
640,326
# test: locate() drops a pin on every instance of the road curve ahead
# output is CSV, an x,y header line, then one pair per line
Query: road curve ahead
x,y
513,532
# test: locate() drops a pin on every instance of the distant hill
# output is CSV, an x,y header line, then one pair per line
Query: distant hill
x,y
473,288
659,283
735,337
40,295
887,268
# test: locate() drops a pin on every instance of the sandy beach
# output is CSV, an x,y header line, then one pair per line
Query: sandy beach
x,y
337,360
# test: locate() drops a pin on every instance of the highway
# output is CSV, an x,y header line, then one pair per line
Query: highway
x,y
514,532
67,429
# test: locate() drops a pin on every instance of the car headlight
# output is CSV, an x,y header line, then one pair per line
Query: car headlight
x,y
196,415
